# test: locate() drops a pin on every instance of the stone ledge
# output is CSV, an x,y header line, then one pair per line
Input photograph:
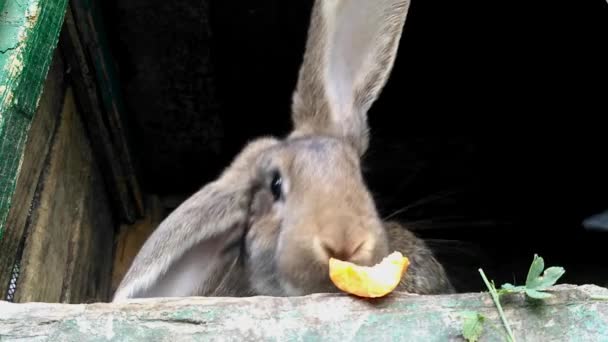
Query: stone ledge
x,y
575,313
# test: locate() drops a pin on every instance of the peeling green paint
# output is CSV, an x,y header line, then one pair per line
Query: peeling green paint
x,y
570,316
29,31
588,318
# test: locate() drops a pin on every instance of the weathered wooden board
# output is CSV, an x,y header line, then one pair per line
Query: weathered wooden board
x,y
29,31
573,314
89,271
36,149
68,251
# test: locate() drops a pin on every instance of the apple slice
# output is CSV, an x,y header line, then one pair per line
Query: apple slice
x,y
369,281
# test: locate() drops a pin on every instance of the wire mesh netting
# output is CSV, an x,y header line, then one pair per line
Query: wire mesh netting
x,y
12,286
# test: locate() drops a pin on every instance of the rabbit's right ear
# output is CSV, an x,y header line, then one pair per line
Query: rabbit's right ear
x,y
349,55
197,246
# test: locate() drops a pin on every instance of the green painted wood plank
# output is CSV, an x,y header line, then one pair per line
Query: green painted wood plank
x,y
575,313
29,31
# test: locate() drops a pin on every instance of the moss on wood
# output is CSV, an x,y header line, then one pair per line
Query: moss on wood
x,y
573,314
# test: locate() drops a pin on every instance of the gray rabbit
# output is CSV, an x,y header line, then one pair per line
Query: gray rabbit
x,y
270,222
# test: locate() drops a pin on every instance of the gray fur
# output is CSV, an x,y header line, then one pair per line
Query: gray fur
x,y
425,275
312,100
234,238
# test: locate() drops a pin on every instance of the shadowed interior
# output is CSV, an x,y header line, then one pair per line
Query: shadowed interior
x,y
486,138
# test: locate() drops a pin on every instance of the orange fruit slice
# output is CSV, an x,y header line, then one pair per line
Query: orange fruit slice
x,y
369,281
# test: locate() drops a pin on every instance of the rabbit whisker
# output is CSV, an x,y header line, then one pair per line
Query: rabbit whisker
x,y
450,222
422,201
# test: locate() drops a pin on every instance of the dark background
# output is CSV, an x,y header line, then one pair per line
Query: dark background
x,y
488,136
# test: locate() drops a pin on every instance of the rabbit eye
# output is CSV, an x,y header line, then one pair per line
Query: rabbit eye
x,y
276,186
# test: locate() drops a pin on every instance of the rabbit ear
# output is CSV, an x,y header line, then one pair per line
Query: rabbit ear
x,y
349,55
197,246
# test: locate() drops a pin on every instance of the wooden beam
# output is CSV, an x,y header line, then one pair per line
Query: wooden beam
x,y
36,149
68,251
29,30
573,314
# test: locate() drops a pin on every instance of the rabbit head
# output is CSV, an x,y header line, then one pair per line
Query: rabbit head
x,y
309,204
270,222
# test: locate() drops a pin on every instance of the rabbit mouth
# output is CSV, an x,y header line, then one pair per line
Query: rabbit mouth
x,y
305,271
308,277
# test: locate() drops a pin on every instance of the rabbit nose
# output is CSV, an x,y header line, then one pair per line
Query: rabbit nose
x,y
341,250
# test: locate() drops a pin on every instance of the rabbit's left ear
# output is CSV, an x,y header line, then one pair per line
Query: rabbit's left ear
x,y
197,246
350,52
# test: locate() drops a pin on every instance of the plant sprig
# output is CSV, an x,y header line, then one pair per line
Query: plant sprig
x,y
496,299
537,282
472,327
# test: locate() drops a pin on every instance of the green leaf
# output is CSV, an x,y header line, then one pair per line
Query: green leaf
x,y
508,286
537,294
550,277
472,326
535,281
538,264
